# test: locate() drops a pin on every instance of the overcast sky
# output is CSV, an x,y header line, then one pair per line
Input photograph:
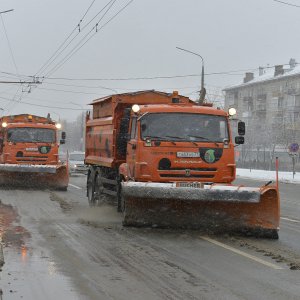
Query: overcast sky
x,y
139,42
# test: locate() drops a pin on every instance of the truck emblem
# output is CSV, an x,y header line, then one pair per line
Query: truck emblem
x,y
209,156
187,172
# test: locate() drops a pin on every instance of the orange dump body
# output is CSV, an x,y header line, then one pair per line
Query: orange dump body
x,y
29,152
170,139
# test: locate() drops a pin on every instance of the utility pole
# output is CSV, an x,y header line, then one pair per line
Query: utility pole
x,y
203,90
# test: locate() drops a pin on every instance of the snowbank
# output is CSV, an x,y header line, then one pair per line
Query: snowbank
x,y
268,175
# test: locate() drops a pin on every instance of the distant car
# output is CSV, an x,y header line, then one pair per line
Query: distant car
x,y
76,162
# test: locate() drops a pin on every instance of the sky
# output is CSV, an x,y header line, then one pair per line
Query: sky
x,y
139,42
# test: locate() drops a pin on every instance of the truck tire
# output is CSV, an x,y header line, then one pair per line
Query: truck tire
x,y
120,198
98,193
62,188
91,188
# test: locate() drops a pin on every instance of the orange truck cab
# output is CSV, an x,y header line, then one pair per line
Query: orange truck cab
x,y
179,143
29,151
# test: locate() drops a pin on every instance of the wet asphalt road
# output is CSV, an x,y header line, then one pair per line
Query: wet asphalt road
x,y
56,247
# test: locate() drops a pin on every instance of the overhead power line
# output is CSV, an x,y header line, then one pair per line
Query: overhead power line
x,y
83,41
287,3
85,13
40,105
54,55
9,45
65,91
21,82
146,78
231,72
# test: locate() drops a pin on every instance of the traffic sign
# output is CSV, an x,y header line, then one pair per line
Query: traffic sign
x,y
294,147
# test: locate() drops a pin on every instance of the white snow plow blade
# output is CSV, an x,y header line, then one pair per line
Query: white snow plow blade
x,y
41,176
28,168
213,208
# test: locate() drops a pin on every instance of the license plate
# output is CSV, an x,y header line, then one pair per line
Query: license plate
x,y
188,154
32,149
194,185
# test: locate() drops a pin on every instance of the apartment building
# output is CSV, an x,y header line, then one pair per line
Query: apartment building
x,y
269,102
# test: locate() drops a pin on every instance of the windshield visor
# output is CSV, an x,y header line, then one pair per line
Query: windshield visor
x,y
30,135
184,127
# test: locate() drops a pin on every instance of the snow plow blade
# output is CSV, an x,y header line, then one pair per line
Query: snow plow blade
x,y
213,208
41,176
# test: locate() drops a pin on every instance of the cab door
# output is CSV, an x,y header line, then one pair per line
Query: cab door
x,y
132,148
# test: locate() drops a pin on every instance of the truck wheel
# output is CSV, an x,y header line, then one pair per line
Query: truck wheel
x,y
91,190
98,193
120,198
62,188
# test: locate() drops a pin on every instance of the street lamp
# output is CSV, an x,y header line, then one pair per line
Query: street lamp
x,y
203,90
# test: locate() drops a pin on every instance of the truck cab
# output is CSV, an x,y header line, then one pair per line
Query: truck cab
x,y
29,151
179,143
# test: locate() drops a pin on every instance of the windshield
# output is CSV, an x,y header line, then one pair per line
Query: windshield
x,y
77,156
28,134
184,127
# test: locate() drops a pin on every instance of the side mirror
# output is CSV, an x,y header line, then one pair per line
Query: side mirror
x,y
62,142
239,140
63,135
241,128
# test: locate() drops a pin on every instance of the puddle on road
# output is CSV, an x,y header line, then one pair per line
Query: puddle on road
x,y
11,235
27,272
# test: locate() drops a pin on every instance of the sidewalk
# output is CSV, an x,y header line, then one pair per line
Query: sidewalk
x,y
268,175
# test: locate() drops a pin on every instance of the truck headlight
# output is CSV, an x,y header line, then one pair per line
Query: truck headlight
x,y
232,111
135,108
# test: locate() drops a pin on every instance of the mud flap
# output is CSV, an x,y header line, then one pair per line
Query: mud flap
x,y
217,208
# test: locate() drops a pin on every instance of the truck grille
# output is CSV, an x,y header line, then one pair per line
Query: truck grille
x,y
194,169
32,159
188,173
185,177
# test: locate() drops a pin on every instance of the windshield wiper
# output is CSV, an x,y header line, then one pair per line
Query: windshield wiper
x,y
181,139
204,138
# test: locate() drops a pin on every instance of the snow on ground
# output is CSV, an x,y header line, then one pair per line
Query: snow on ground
x,y
268,175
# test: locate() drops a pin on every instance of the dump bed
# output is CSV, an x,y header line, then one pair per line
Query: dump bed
x,y
104,126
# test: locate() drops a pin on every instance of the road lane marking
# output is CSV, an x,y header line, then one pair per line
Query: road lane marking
x,y
257,259
75,186
291,220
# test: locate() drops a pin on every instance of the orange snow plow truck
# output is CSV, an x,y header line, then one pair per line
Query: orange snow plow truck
x,y
29,152
169,162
